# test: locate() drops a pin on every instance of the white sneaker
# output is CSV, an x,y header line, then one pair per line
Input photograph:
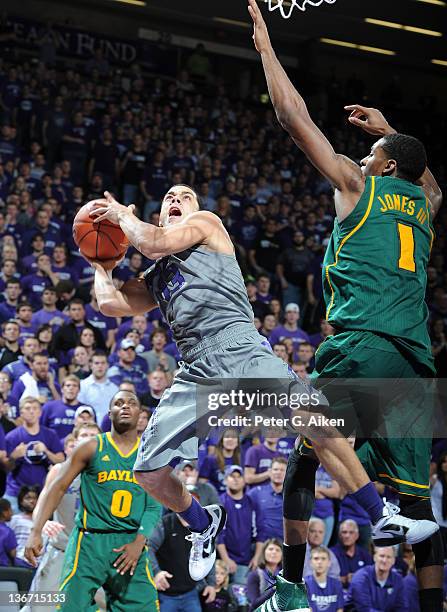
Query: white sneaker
x,y
393,528
203,550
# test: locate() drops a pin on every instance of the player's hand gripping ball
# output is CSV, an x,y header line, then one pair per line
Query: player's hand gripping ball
x,y
100,241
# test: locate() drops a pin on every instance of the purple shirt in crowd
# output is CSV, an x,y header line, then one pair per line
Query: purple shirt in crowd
x,y
367,594
106,423
43,317
268,506
134,374
284,447
279,333
59,417
33,286
27,331
100,321
84,271
209,469
349,565
259,457
32,468
8,542
7,312
323,507
237,535
327,596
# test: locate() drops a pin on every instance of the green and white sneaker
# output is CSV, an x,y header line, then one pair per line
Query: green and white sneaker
x,y
288,597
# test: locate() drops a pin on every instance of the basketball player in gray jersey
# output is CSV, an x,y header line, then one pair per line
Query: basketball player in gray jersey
x,y
47,577
199,288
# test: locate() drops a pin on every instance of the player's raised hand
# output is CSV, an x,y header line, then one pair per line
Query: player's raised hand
x,y
108,208
33,548
128,560
371,120
260,35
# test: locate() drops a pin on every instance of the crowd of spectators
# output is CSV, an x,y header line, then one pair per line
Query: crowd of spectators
x,y
69,132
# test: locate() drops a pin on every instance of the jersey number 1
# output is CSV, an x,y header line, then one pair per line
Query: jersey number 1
x,y
406,255
121,503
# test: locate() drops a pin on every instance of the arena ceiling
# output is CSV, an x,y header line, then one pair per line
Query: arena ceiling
x,y
343,21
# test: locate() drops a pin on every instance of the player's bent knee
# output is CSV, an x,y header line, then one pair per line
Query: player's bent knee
x,y
299,487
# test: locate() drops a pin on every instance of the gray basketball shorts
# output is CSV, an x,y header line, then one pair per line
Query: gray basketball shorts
x,y
239,353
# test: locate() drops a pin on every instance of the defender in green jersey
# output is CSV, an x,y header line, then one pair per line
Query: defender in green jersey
x,y
374,279
107,546
375,291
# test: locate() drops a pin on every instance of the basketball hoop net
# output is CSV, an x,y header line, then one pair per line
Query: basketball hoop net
x,y
299,4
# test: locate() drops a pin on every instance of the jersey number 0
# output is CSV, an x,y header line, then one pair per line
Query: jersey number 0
x,y
121,503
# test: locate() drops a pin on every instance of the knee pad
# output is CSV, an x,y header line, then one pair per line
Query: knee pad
x,y
299,487
430,551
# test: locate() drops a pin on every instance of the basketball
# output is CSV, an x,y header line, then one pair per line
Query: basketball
x,y
102,241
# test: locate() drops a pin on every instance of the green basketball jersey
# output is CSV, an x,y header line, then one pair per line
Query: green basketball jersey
x,y
375,267
111,499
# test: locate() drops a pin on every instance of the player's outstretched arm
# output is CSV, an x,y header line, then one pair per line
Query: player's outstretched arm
x,y
68,471
294,117
372,121
132,299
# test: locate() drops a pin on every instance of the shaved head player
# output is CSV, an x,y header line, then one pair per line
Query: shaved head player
x,y
375,275
199,288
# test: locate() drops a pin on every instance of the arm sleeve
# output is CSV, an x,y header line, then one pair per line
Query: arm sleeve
x,y
155,540
151,516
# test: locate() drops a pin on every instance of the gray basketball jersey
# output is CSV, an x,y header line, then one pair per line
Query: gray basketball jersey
x,y
199,293
65,513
